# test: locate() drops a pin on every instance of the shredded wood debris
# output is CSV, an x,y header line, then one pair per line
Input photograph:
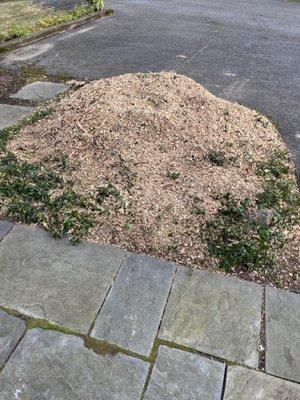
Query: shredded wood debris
x,y
168,147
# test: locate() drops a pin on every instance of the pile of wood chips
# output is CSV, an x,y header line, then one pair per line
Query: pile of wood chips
x,y
169,147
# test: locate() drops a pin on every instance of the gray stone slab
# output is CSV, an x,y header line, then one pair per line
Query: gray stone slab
x,y
133,309
49,365
246,384
11,331
283,333
178,375
39,91
214,314
10,115
5,227
53,280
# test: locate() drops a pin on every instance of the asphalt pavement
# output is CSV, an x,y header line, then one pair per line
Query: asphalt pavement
x,y
241,50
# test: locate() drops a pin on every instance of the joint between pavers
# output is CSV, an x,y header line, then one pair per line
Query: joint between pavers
x,y
110,287
152,358
224,382
13,350
174,345
98,346
167,299
154,350
103,348
9,230
262,344
228,363
32,323
281,378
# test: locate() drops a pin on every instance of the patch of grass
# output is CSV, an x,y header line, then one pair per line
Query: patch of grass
x,y
33,73
20,18
236,240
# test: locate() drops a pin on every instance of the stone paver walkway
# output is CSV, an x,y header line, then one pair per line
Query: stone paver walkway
x,y
245,384
39,91
10,115
35,93
181,375
51,365
5,227
214,314
283,333
132,312
11,331
51,280
102,323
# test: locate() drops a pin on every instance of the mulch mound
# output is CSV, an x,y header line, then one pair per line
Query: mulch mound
x,y
167,149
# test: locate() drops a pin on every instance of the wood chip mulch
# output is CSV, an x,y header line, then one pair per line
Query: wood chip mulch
x,y
151,136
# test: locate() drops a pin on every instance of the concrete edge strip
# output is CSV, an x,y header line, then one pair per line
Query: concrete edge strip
x,y
66,26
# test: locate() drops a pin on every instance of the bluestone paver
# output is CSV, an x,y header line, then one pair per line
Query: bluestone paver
x,y
5,227
214,314
246,384
39,91
11,331
53,280
10,115
51,365
178,375
283,333
133,309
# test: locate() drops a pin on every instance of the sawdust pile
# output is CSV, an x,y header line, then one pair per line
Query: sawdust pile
x,y
169,150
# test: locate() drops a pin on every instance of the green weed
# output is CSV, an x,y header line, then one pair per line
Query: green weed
x,y
236,240
173,175
219,158
34,193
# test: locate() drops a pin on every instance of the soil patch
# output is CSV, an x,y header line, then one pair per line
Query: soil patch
x,y
10,82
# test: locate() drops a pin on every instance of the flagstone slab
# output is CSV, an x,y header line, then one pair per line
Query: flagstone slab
x,y
10,115
5,227
283,333
246,384
214,314
50,365
50,279
11,331
131,314
178,375
39,91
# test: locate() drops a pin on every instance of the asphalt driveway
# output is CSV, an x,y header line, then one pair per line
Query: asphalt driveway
x,y
242,50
